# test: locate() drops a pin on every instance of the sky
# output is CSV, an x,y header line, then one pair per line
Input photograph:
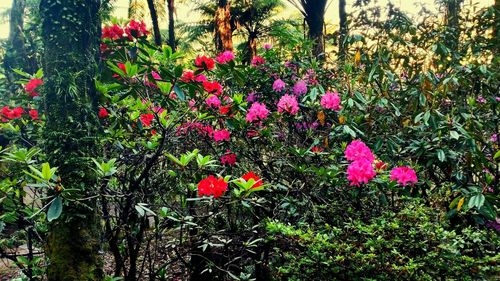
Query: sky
x,y
184,10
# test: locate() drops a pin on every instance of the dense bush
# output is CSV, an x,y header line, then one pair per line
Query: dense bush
x,y
283,168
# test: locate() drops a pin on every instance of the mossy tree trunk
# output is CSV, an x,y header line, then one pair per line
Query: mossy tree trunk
x,y
71,32
343,30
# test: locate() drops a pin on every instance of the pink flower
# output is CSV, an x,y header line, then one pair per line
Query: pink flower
x,y
228,159
268,46
289,104
221,135
256,61
278,85
494,138
213,101
225,57
357,150
404,175
155,75
360,171
257,111
300,88
331,101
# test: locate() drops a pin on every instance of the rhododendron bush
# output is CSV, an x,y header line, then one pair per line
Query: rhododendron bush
x,y
222,170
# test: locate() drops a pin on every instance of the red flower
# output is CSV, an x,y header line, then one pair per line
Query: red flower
x,y
112,32
103,113
223,110
379,165
221,135
252,175
204,62
228,159
212,186
33,114
256,61
212,87
136,29
17,112
316,149
146,119
32,85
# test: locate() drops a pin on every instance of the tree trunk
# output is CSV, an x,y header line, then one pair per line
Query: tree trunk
x,y
71,32
171,24
223,31
315,18
15,55
343,31
154,19
452,23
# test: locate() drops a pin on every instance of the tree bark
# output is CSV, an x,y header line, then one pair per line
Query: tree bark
x,y
452,23
223,31
154,20
171,24
343,30
315,18
16,55
71,32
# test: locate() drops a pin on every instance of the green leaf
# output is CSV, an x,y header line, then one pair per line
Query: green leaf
x,y
476,201
441,156
454,135
497,155
55,209
488,211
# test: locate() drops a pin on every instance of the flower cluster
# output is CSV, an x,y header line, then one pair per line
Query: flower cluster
x,y
331,101
32,85
404,175
288,104
221,135
212,87
225,57
6,113
134,29
257,112
204,62
278,85
212,186
300,88
251,175
361,169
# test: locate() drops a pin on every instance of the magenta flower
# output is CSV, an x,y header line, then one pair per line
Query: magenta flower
x,y
360,171
225,57
213,101
300,88
268,46
257,60
357,150
257,111
221,135
331,101
404,175
278,85
289,104
155,75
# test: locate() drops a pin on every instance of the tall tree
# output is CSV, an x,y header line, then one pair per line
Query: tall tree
x,y
171,24
452,23
16,55
314,14
223,30
154,20
71,32
343,29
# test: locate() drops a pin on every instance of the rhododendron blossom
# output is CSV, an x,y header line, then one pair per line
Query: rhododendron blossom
x,y
12,113
212,87
404,175
32,85
257,60
278,85
357,150
213,101
228,159
331,101
223,110
257,112
112,32
103,113
289,104
221,135
252,175
146,119
212,186
155,75
360,171
204,62
300,88
268,46
33,114
225,57
136,29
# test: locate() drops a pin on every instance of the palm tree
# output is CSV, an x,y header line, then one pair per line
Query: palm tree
x,y
223,31
154,20
314,14
171,24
